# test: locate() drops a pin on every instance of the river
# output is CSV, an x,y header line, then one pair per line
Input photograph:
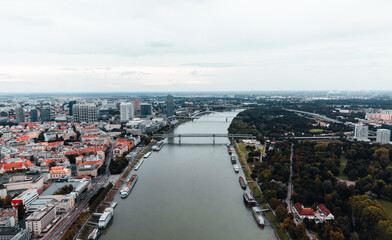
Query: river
x,y
187,191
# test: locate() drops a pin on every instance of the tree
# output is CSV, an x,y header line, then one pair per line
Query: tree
x,y
371,216
21,211
281,213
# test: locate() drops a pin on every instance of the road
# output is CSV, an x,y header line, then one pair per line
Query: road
x,y
325,118
58,231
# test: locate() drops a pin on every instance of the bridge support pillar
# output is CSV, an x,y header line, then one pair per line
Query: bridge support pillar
x,y
226,119
213,139
179,139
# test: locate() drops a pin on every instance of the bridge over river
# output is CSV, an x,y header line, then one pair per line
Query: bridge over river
x,y
203,135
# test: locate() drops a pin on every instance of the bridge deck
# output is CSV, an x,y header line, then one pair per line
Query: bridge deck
x,y
215,135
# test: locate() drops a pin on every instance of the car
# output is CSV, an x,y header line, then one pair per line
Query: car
x,y
83,198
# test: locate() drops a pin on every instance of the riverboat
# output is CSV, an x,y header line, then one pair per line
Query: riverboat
x,y
94,235
147,154
249,199
236,168
242,182
258,215
128,186
139,164
105,218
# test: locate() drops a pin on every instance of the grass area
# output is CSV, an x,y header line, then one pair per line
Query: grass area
x,y
387,205
86,231
276,225
343,163
316,130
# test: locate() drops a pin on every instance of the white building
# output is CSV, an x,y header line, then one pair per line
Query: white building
x,y
85,113
383,136
126,112
361,132
25,198
39,220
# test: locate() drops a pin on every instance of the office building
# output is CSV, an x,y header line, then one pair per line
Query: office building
x,y
145,110
40,219
70,105
19,114
34,115
361,132
383,136
25,198
126,112
170,105
46,115
85,113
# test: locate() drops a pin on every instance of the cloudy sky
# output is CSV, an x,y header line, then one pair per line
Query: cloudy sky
x,y
195,45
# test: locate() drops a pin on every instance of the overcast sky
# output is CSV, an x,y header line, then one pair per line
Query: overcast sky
x,y
195,45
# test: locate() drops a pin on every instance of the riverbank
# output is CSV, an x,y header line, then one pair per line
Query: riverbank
x,y
256,191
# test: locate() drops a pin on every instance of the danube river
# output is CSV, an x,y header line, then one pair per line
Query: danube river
x,y
187,191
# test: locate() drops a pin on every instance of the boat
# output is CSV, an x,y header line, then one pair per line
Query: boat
x,y
139,164
113,205
158,146
258,215
128,186
249,199
236,168
147,154
242,182
105,218
233,159
94,234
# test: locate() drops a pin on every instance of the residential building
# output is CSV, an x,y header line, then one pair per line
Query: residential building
x,y
361,132
19,114
324,212
170,105
59,172
13,233
145,110
85,113
383,136
45,115
302,212
136,105
70,105
39,220
126,112
34,115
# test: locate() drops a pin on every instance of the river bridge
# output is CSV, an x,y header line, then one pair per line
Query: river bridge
x,y
213,135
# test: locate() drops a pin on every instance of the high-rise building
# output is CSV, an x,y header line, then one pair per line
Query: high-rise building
x,y
136,105
361,132
85,113
145,109
19,114
34,115
170,105
383,136
126,112
45,115
70,105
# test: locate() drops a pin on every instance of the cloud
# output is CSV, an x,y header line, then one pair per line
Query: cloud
x,y
32,21
160,44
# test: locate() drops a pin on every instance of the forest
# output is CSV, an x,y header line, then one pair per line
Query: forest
x,y
356,206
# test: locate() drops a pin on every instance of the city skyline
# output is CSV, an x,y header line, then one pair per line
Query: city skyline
x,y
194,46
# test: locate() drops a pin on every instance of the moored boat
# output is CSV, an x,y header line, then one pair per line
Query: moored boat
x,y
249,199
147,154
128,186
258,215
236,168
242,182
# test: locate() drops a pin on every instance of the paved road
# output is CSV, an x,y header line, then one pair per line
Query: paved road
x,y
58,231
